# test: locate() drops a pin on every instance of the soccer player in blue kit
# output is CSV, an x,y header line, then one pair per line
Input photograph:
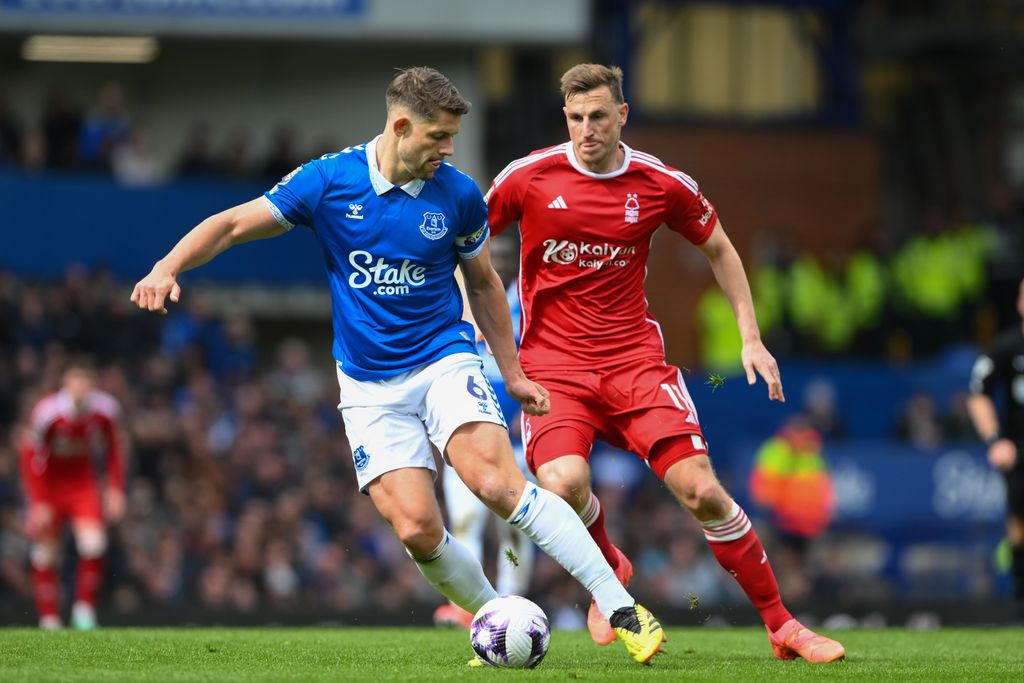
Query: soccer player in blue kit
x,y
468,517
394,219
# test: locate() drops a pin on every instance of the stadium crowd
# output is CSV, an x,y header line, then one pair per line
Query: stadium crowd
x,y
105,138
241,491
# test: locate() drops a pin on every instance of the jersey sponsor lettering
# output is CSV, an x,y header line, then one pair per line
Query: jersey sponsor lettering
x,y
587,255
390,279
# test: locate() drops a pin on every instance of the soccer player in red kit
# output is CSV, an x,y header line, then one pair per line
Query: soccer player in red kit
x,y
65,431
587,210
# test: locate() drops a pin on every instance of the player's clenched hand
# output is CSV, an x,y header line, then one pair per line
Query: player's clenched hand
x,y
152,291
756,358
533,397
113,504
1002,454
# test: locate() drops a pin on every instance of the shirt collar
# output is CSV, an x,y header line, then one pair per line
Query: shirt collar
x,y
627,156
67,406
382,184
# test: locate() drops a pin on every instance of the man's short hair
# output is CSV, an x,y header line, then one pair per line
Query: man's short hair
x,y
80,364
585,77
423,91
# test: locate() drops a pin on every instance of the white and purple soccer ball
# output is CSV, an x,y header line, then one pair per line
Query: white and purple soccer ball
x,y
510,632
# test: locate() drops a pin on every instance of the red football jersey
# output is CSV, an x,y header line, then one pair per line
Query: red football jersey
x,y
61,441
585,241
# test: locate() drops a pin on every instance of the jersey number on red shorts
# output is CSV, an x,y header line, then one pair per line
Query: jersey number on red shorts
x,y
681,401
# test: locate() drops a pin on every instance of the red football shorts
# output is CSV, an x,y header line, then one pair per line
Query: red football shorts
x,y
73,500
633,406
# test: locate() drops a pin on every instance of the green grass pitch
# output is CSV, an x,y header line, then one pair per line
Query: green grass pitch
x,y
415,654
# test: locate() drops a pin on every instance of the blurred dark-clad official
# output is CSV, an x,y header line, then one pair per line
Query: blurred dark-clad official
x,y
1000,371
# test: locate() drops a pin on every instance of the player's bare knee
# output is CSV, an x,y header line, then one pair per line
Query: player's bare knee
x,y
703,496
90,543
419,536
43,555
569,484
497,491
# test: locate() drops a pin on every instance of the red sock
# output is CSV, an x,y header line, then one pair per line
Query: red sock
x,y
90,571
44,586
737,548
593,518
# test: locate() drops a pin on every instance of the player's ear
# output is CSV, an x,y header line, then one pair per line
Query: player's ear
x,y
401,126
623,113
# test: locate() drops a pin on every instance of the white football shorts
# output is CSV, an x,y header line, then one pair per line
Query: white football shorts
x,y
391,423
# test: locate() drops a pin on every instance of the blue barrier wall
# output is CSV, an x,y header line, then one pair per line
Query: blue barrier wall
x,y
52,223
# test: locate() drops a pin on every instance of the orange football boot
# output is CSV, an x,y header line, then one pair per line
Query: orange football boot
x,y
452,615
794,640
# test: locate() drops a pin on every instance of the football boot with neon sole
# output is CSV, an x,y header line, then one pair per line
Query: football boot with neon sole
x,y
83,617
639,631
601,632
794,640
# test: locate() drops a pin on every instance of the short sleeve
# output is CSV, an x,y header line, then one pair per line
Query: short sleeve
x,y
474,233
503,205
295,198
689,212
986,374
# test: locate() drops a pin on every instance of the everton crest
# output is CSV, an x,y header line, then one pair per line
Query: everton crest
x,y
433,225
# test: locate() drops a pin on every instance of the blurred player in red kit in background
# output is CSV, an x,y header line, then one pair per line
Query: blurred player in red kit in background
x,y
66,431
587,210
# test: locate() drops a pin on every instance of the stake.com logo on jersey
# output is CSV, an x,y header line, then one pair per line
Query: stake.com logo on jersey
x,y
586,255
389,279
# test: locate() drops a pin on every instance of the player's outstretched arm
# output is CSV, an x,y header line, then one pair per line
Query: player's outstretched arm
x,y
728,270
243,223
486,297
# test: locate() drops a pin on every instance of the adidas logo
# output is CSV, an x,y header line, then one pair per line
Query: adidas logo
x,y
558,203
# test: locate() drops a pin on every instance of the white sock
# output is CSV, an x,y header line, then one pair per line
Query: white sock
x,y
453,571
590,511
554,526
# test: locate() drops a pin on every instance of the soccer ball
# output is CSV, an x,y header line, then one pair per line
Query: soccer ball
x,y
510,632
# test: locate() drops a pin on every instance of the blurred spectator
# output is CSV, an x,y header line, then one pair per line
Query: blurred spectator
x,y
33,152
957,426
237,161
283,157
293,378
104,128
791,482
821,409
10,135
790,479
920,423
61,123
132,160
197,156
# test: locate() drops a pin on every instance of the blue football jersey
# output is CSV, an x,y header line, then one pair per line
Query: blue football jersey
x,y
390,253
